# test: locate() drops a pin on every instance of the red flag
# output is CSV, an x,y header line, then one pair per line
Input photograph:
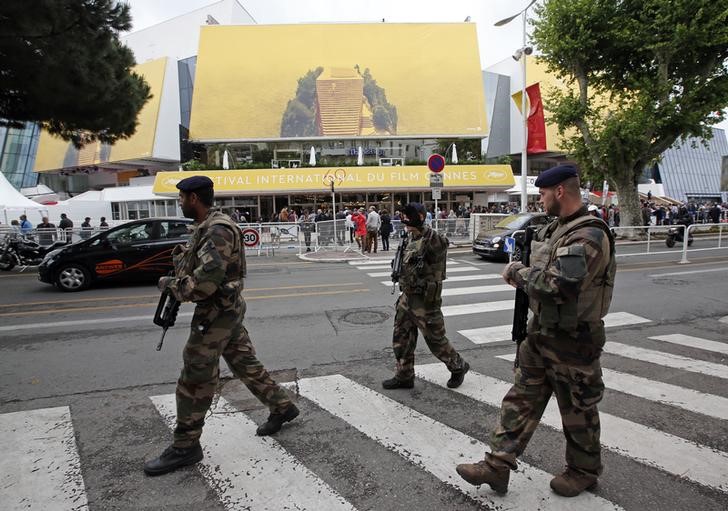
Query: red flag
x,y
536,121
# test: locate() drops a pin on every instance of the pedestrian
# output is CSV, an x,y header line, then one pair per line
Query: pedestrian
x,y
102,224
25,225
46,232
209,271
86,228
307,226
66,224
386,229
360,227
340,221
349,225
373,224
569,283
419,307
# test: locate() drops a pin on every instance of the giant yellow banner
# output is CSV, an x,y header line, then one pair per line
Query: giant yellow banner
x,y
55,153
254,181
383,80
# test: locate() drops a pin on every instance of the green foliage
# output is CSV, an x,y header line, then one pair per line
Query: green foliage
x,y
384,114
299,118
658,69
193,165
62,65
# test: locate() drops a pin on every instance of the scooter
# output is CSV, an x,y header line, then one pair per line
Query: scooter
x,y
16,250
676,234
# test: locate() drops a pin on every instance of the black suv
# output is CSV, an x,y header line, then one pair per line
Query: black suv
x,y
134,251
491,243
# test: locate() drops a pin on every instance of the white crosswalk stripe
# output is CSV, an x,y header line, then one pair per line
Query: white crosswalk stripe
x,y
667,452
500,333
667,359
420,440
476,308
693,342
457,269
281,482
460,278
664,393
40,466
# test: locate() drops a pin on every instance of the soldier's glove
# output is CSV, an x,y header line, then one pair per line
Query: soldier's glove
x,y
164,282
509,273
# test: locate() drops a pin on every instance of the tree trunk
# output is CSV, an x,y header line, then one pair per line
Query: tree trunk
x,y
630,212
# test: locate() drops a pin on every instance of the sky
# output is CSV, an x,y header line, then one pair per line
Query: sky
x,y
496,43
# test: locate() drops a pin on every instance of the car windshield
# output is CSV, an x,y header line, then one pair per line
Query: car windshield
x,y
513,222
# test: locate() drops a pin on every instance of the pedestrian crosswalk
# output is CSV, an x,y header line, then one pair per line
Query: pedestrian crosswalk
x,y
43,469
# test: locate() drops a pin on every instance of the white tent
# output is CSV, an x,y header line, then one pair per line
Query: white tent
x,y
454,157
13,204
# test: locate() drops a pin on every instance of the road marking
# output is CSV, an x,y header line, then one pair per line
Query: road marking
x,y
461,278
659,392
40,467
433,446
457,291
475,308
252,472
693,342
83,322
692,272
156,295
382,262
499,333
724,319
670,453
150,304
459,269
375,267
667,359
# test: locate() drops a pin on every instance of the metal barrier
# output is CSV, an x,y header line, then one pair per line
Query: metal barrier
x,y
701,227
457,229
483,222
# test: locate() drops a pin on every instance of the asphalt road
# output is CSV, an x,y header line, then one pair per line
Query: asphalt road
x,y
83,366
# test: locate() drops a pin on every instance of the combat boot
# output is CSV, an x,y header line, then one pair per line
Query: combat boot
x,y
571,482
483,473
394,383
457,377
173,458
276,420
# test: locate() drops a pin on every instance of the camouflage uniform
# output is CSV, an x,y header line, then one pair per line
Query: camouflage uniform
x,y
569,283
418,307
209,271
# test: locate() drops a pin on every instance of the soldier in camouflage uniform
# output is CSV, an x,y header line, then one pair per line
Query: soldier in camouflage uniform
x,y
419,305
569,283
209,271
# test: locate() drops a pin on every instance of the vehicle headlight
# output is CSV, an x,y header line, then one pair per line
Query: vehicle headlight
x,y
496,240
52,255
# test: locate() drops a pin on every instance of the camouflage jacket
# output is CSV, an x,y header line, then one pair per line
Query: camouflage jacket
x,y
423,264
571,275
210,268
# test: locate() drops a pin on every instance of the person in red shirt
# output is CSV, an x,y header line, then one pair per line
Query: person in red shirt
x,y
360,225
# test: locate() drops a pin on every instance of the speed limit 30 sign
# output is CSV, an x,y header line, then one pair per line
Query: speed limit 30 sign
x,y
251,237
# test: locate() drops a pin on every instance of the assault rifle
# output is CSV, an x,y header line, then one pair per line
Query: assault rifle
x,y
166,313
397,263
520,310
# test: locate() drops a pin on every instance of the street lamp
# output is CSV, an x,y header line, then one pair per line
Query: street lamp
x,y
520,54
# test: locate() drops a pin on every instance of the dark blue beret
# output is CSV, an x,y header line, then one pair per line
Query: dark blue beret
x,y
190,184
555,175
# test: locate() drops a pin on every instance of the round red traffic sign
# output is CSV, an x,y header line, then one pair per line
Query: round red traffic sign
x,y
436,162
251,237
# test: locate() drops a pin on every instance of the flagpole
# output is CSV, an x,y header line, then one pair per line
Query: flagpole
x,y
524,113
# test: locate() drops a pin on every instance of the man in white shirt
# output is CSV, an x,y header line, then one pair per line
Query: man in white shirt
x,y
373,224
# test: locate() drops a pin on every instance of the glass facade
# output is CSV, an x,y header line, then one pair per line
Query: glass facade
x,y
17,154
186,70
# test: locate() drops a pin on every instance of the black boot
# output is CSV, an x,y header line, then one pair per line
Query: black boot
x,y
457,377
173,458
394,383
276,420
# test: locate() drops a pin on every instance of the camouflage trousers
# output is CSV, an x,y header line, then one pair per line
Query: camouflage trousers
x,y
558,366
216,333
414,314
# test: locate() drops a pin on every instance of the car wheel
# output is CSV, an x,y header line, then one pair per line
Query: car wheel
x,y
6,262
670,242
73,277
516,254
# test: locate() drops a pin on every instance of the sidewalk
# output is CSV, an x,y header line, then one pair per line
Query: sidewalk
x,y
353,254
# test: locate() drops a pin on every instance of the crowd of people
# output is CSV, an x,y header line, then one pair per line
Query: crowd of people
x,y
48,232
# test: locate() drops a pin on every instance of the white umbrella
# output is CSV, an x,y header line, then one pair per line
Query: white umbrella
x,y
312,157
360,157
225,160
454,158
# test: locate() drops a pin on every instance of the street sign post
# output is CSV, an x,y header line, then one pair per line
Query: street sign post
x,y
436,180
509,244
436,195
436,162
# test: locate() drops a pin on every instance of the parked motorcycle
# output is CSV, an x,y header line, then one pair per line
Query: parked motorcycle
x,y
16,250
676,234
